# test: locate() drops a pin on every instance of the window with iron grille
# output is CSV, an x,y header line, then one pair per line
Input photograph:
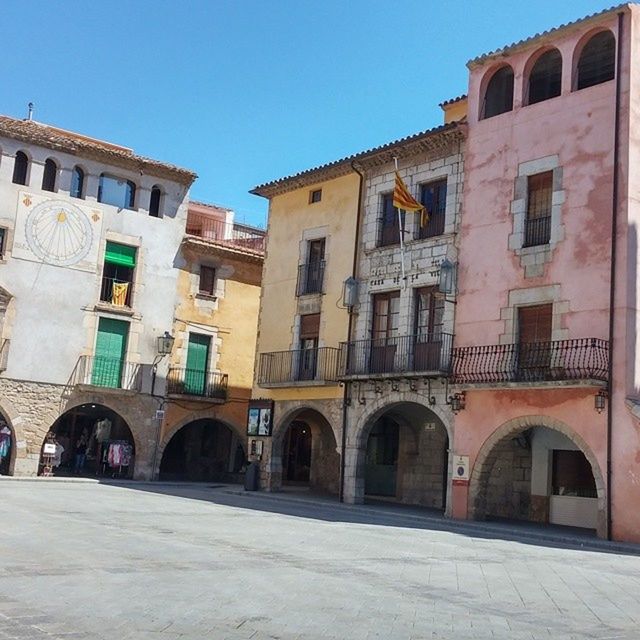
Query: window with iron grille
x,y
545,77
434,197
597,61
389,230
207,280
3,241
537,225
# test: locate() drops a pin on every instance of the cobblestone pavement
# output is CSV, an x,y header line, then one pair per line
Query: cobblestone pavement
x,y
80,560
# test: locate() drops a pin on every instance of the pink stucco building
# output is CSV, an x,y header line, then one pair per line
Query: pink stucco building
x,y
545,354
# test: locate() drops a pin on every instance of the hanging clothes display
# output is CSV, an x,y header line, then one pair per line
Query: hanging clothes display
x,y
120,453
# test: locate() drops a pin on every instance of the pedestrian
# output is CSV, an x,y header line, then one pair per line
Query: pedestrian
x,y
81,452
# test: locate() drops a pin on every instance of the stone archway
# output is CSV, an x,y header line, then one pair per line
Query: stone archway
x,y
486,459
424,451
323,457
18,445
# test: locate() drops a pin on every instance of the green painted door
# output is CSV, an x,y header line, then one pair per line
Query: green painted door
x,y
195,378
111,347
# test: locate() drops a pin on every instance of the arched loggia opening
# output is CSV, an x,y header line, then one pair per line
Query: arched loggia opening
x,y
537,474
404,456
89,440
7,447
204,450
307,447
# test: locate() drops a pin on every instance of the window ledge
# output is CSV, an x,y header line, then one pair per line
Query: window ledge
x,y
113,308
205,296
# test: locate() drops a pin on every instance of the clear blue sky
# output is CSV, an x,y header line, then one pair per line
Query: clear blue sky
x,y
247,91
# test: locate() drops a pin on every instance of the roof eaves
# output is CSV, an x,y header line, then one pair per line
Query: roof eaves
x,y
527,41
446,103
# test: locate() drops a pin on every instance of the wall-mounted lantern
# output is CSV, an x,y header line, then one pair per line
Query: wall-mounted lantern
x,y
600,400
447,284
457,402
350,293
165,344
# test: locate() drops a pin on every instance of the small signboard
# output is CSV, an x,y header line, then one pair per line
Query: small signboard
x,y
460,470
260,418
49,449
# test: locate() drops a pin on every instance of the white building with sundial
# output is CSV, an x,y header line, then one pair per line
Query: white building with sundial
x,y
90,234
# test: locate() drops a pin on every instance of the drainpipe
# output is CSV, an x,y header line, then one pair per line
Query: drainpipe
x,y
612,288
345,395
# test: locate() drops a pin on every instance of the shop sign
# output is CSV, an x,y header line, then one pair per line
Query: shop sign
x,y
49,449
460,470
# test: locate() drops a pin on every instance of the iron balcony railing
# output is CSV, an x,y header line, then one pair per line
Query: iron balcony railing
x,y
581,359
433,228
300,365
4,354
101,371
310,278
233,234
537,231
116,292
426,353
195,382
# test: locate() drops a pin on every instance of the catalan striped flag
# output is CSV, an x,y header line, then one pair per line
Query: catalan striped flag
x,y
402,199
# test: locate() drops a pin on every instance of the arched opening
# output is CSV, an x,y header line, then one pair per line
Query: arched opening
x,y
89,440
77,182
498,96
154,202
20,168
205,450
545,77
7,447
49,175
307,447
537,474
405,455
597,61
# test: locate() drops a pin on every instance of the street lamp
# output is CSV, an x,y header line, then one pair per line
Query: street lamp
x,y
446,283
165,344
600,400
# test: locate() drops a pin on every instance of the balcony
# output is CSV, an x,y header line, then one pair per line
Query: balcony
x,y
111,373
224,233
197,383
116,292
585,359
310,278
414,355
537,231
301,366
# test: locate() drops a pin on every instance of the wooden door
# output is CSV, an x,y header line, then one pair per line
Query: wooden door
x,y
197,364
534,342
384,343
111,347
428,322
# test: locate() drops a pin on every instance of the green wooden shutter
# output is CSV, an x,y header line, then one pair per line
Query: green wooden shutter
x,y
111,347
120,254
197,364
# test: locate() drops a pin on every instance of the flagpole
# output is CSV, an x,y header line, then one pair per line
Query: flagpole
x,y
401,234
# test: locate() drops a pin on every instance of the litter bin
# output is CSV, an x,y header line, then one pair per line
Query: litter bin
x,y
252,477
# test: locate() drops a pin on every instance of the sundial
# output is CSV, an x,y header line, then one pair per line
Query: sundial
x,y
58,233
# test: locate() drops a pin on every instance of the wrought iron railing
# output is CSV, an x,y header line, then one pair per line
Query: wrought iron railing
x,y
116,292
299,365
427,353
4,354
581,359
196,382
310,278
101,371
221,232
537,231
435,226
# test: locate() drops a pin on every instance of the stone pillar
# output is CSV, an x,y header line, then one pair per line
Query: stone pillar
x,y
353,492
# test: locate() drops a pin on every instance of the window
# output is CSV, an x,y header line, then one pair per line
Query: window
x,y
545,77
537,225
597,62
117,274
572,475
154,202
311,274
498,97
434,197
49,175
20,168
116,191
389,233
384,331
315,196
3,242
207,280
534,341
309,335
428,335
77,183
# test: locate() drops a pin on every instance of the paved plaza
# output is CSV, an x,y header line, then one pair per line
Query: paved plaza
x,y
87,560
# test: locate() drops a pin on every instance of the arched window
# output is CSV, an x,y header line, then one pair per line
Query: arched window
x,y
116,191
597,61
498,97
546,77
154,203
49,175
20,168
77,182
